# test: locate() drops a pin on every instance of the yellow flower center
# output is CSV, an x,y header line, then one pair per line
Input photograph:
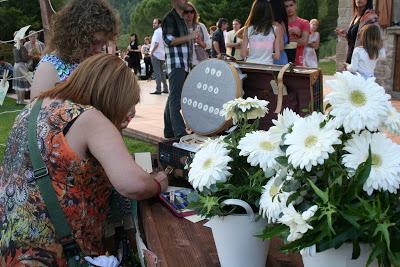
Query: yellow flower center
x,y
358,98
207,164
376,160
310,141
265,145
273,190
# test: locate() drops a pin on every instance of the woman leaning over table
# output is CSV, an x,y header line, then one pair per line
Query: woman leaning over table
x,y
82,147
79,30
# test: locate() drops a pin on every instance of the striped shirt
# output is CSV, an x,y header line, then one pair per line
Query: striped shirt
x,y
177,56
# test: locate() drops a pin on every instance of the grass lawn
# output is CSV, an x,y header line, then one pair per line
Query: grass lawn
x,y
327,67
7,120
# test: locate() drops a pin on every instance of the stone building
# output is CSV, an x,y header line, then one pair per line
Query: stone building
x,y
387,72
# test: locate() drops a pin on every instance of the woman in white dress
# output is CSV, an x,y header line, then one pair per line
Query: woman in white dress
x,y
310,56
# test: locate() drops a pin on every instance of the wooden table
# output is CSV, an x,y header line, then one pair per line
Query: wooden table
x,y
178,242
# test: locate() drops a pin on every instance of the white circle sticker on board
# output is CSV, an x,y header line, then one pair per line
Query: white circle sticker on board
x,y
209,86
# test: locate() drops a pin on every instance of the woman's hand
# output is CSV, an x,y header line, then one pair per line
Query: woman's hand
x,y
341,32
162,178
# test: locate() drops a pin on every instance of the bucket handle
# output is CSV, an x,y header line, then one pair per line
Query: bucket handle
x,y
241,203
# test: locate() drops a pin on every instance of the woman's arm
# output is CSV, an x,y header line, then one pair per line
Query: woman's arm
x,y
278,43
243,50
207,39
104,142
44,79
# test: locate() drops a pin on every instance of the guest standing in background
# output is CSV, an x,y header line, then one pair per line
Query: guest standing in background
x,y
363,14
157,55
233,43
134,54
147,58
281,23
218,39
299,30
259,35
178,52
202,41
20,83
364,57
35,50
310,55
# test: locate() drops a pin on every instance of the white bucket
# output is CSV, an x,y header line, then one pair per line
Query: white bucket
x,y
340,257
234,237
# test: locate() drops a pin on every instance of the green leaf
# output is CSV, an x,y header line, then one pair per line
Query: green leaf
x,y
338,240
374,254
282,160
350,218
323,195
271,231
384,229
356,250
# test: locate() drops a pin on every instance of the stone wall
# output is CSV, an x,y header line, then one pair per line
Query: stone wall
x,y
384,71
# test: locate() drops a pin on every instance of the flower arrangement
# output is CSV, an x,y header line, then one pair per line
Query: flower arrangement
x,y
320,181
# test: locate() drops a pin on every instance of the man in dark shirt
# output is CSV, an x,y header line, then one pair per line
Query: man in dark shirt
x,y
218,40
178,44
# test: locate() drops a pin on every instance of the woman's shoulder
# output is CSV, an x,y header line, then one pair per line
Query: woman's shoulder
x,y
62,68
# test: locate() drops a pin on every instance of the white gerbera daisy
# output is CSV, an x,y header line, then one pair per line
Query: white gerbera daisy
x,y
210,165
297,222
385,169
357,103
392,123
283,123
260,149
273,200
249,108
309,144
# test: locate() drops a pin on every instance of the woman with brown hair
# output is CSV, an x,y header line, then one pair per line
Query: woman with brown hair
x,y
79,30
81,145
203,40
260,37
363,14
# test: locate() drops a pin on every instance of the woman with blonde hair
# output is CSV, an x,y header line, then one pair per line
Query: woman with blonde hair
x,y
203,41
78,135
79,30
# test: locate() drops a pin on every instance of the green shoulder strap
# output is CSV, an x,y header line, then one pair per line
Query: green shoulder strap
x,y
43,180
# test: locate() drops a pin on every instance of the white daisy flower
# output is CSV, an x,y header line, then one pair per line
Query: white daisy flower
x,y
210,165
260,149
385,169
273,201
296,221
392,123
309,144
283,123
249,108
357,103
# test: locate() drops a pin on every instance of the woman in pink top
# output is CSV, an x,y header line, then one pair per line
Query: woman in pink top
x,y
259,36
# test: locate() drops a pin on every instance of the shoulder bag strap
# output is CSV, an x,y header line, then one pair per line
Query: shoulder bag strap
x,y
43,180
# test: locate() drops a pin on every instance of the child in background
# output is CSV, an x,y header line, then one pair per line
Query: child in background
x,y
364,57
310,56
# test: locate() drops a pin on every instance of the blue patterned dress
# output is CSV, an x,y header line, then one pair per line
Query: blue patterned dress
x,y
64,70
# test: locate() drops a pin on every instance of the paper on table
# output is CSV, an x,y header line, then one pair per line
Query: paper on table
x,y
103,261
195,218
144,160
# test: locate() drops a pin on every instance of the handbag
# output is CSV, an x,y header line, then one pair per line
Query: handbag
x,y
42,178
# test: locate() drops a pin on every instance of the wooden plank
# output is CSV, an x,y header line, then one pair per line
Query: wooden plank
x,y
176,241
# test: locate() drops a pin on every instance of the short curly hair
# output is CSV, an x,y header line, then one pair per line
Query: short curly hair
x,y
73,27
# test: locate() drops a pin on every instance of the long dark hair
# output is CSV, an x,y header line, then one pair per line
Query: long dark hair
x,y
279,10
260,17
369,5
136,38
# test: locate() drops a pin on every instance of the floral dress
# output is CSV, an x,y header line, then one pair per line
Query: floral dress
x,y
27,236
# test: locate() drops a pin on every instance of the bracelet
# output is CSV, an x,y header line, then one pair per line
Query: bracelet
x,y
158,187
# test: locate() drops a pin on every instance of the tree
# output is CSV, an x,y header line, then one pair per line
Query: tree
x,y
308,9
143,15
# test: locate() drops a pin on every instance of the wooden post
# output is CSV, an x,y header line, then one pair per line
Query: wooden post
x,y
46,13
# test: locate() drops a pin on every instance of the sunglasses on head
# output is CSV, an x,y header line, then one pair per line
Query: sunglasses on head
x,y
189,11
